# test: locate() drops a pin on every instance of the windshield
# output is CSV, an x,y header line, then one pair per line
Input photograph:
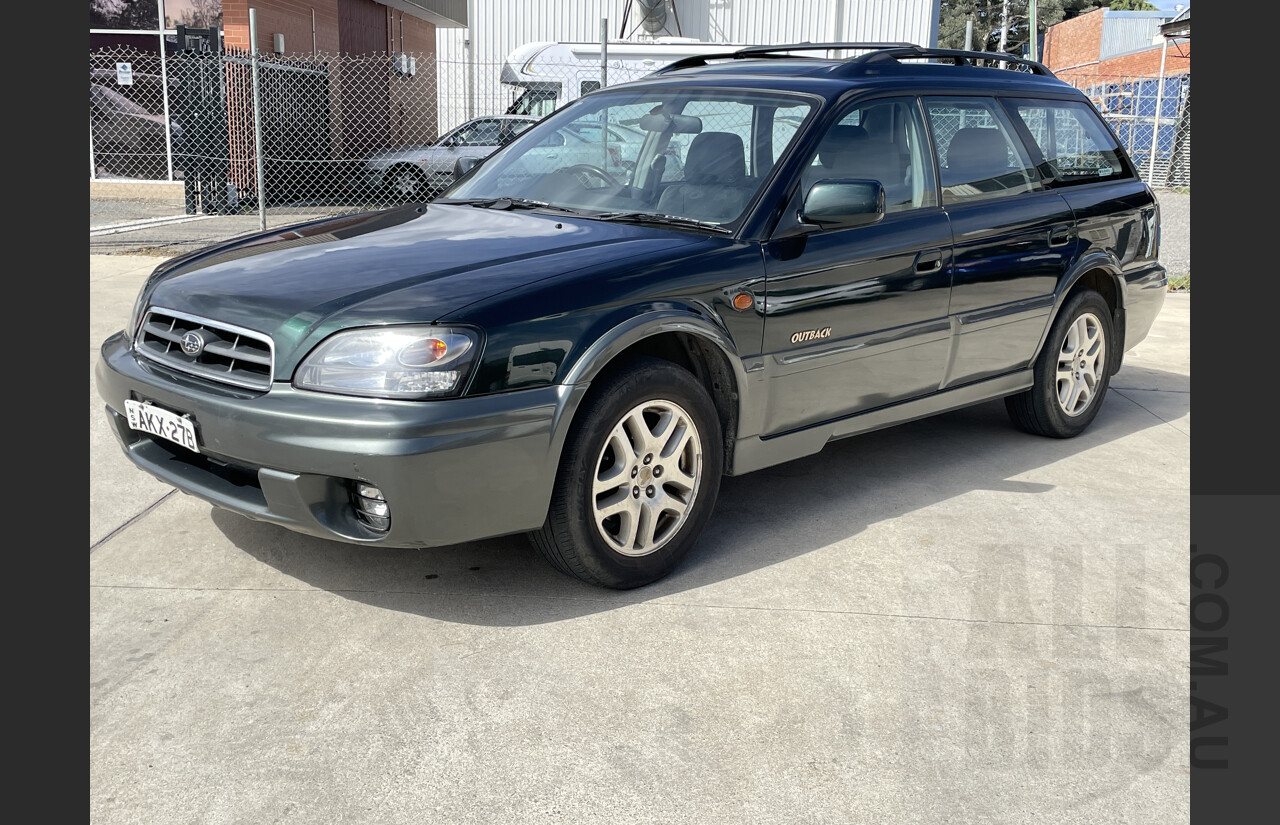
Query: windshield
x,y
111,99
645,155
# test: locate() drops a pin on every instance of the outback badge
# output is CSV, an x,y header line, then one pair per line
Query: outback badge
x,y
811,335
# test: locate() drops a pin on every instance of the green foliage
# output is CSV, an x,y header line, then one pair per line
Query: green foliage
x,y
988,18
120,14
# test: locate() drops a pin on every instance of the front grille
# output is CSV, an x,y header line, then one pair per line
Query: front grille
x,y
228,354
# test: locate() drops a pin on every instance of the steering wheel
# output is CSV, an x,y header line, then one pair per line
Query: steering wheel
x,y
586,172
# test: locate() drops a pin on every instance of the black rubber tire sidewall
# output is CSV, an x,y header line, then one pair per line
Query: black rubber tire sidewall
x,y
568,538
1037,410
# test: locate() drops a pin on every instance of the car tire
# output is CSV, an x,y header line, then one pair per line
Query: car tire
x,y
1071,373
406,184
638,477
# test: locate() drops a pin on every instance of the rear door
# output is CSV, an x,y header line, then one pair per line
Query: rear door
x,y
1014,238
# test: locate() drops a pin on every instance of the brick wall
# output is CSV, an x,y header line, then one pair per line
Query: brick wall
x,y
1177,61
292,18
419,36
1071,50
1074,42
369,107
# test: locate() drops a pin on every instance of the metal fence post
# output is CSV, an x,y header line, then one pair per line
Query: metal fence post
x,y
604,52
257,118
164,91
1155,126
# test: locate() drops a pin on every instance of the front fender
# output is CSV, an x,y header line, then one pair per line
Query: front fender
x,y
726,377
648,323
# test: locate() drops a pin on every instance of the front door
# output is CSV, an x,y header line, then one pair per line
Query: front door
x,y
856,318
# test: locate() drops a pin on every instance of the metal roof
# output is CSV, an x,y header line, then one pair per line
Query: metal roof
x,y
1179,26
1125,32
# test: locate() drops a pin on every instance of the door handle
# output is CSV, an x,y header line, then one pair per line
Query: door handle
x,y
928,261
1059,235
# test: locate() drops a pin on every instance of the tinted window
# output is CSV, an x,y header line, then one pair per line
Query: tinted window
x,y
881,140
980,155
110,99
1073,140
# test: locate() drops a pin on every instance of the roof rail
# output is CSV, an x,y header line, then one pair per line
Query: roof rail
x,y
776,51
958,57
875,53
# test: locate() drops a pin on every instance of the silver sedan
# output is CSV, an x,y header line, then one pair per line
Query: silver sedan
x,y
416,173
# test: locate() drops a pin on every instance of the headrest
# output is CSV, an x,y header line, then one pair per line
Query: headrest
x,y
983,150
715,157
837,143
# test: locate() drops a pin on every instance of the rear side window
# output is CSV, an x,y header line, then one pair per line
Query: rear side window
x,y
979,153
1076,145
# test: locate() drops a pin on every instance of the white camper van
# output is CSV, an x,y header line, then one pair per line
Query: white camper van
x,y
548,75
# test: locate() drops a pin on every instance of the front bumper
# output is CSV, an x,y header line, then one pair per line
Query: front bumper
x,y
451,470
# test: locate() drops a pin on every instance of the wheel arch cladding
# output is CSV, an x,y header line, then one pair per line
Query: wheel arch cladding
x,y
692,349
1100,276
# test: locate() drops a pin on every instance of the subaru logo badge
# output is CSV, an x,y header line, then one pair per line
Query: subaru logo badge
x,y
193,343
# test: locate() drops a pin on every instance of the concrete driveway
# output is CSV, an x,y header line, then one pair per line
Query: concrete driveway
x,y
945,622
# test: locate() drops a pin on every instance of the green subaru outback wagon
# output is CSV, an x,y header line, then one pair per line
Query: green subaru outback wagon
x,y
581,352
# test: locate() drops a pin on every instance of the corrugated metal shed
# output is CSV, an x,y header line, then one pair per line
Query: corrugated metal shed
x,y
770,21
469,60
502,25
1125,32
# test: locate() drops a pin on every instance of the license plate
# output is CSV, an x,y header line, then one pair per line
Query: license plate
x,y
149,418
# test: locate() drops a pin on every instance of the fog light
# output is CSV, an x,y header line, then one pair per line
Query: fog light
x,y
371,507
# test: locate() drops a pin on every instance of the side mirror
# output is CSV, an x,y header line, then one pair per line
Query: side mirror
x,y
841,204
463,165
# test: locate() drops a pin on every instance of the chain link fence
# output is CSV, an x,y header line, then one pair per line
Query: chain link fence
x,y
335,134
1152,118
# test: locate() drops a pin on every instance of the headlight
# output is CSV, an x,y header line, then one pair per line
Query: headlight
x,y
391,362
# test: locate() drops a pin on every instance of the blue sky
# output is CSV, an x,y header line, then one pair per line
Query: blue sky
x,y
1168,5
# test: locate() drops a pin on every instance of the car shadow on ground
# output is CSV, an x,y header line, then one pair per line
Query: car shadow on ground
x,y
761,519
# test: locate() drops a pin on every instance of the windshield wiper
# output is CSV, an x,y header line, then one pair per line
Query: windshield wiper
x,y
494,203
661,220
505,203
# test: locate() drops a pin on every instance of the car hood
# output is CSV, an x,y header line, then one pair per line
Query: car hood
x,y
414,264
